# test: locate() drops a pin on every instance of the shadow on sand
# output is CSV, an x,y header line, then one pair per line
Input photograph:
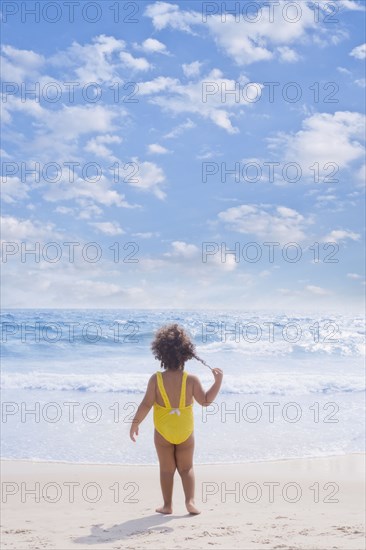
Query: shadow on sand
x,y
139,526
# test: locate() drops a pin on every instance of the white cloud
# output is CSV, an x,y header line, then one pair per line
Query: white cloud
x,y
146,234
94,62
343,70
178,130
359,52
183,250
190,255
56,131
136,63
150,177
354,276
159,84
352,5
165,15
192,69
151,45
72,284
361,82
324,138
339,235
13,189
238,40
306,293
242,40
24,58
288,55
15,229
203,98
247,42
20,65
86,289
100,192
97,146
100,61
317,290
30,108
108,228
326,198
279,223
56,138
65,210
69,122
207,155
87,209
156,149
287,291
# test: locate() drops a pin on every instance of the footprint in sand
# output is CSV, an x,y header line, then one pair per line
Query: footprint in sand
x,y
345,529
17,532
304,532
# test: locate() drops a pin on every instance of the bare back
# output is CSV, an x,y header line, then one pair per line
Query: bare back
x,y
172,383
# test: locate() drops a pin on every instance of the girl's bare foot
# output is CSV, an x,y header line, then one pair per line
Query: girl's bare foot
x,y
192,508
164,509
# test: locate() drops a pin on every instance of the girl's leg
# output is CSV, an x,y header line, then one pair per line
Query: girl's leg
x,y
165,452
184,461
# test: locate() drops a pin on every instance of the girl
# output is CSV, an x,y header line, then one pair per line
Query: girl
x,y
172,394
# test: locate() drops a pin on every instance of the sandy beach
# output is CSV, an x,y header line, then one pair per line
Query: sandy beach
x,y
303,504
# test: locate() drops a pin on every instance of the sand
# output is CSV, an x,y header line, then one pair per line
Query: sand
x,y
306,503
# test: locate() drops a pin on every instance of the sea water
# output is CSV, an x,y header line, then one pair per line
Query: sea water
x,y
293,384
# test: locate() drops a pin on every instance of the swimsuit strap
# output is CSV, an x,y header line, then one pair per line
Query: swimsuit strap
x,y
182,401
162,390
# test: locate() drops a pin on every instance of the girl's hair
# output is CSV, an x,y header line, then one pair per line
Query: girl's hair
x,y
172,346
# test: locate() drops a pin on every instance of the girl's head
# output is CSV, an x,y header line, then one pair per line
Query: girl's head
x,y
173,347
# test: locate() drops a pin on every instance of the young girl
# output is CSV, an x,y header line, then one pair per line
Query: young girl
x,y
172,393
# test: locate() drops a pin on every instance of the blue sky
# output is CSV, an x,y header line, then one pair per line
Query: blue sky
x,y
176,64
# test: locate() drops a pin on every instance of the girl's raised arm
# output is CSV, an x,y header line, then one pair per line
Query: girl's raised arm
x,y
206,398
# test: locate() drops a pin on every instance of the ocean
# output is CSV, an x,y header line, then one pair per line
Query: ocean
x,y
293,387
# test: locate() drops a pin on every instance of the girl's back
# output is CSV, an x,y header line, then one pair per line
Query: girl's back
x,y
172,381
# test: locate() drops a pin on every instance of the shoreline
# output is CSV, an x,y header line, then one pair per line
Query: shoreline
x,y
135,465
305,504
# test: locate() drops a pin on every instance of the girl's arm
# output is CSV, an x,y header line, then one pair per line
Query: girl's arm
x,y
206,398
143,408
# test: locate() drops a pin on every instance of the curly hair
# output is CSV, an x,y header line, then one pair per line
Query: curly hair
x,y
172,346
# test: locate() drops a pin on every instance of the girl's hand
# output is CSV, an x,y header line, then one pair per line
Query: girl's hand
x,y
218,375
134,431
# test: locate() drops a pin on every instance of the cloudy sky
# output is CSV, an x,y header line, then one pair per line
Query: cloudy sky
x,y
169,134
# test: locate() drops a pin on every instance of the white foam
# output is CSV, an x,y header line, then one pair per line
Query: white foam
x,y
285,383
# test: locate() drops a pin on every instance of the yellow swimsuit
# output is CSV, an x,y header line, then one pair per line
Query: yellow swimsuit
x,y
175,425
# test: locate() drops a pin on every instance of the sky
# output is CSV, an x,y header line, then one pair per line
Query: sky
x,y
183,154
